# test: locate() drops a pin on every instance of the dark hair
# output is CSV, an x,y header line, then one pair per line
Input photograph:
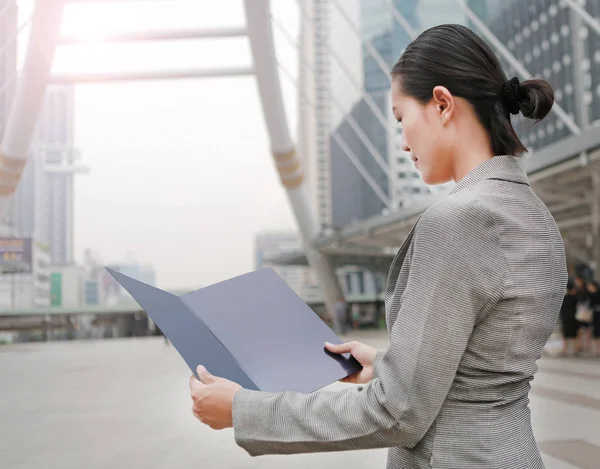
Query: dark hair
x,y
453,56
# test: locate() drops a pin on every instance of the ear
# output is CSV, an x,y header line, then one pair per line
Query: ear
x,y
444,103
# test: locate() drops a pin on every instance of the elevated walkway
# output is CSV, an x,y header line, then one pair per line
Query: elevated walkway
x,y
565,175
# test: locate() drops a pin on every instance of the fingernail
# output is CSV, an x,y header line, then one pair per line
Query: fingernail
x,y
328,344
200,368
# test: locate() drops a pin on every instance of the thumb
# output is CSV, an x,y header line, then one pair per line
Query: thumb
x,y
204,376
341,348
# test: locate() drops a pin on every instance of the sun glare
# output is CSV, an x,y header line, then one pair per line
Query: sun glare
x,y
91,22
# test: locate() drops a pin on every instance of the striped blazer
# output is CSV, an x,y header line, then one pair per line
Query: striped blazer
x,y
472,297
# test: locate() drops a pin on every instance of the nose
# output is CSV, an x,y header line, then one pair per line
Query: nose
x,y
405,147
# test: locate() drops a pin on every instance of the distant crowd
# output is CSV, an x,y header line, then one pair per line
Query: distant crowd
x,y
580,318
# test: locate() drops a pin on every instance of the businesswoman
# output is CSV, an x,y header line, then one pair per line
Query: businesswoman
x,y
472,295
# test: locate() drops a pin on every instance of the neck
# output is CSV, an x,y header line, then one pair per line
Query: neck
x,y
475,150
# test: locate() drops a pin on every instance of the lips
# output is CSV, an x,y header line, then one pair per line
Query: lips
x,y
414,158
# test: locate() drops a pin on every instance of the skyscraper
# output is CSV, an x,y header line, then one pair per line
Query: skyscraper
x,y
8,58
554,43
347,133
314,104
381,41
43,202
8,72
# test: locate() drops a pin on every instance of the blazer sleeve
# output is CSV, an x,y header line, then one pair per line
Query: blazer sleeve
x,y
456,272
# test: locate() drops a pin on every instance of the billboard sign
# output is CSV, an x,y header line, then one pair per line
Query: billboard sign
x,y
16,251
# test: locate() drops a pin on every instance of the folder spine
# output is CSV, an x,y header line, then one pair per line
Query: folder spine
x,y
183,300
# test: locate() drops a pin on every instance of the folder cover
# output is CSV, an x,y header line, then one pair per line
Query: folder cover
x,y
252,329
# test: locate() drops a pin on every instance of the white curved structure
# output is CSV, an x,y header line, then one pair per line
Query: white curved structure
x,y
258,17
36,74
29,95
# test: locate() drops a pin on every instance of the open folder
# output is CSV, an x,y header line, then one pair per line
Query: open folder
x,y
252,329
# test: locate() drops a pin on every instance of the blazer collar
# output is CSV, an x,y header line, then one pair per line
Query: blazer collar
x,y
504,167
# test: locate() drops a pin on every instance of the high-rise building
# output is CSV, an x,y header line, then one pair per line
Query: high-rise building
x,y
552,42
8,58
346,53
43,203
548,38
8,72
314,104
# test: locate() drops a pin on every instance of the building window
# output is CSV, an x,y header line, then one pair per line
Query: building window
x,y
378,284
42,278
361,282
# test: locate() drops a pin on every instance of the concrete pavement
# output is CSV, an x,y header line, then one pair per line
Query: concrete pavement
x,y
125,403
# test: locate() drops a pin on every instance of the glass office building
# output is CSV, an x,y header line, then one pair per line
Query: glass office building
x,y
548,39
552,42
382,40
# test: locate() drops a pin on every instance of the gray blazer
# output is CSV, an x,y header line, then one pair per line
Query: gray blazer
x,y
472,297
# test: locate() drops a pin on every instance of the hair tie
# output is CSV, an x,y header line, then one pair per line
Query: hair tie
x,y
510,95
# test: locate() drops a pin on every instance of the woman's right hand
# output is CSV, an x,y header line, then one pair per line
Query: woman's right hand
x,y
364,354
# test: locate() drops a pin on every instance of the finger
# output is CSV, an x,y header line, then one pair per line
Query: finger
x,y
195,383
341,348
204,376
196,414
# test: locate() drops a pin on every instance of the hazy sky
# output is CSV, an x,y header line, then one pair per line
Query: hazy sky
x,y
180,171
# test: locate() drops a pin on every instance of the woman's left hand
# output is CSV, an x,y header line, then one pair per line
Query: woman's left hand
x,y
213,399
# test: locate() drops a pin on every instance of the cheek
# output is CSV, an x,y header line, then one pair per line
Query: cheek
x,y
411,137
426,143
419,138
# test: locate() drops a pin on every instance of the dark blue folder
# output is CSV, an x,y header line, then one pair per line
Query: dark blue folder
x,y
252,329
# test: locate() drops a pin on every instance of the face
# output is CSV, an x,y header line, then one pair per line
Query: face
x,y
426,133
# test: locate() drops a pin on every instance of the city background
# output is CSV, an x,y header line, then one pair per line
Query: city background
x,y
172,180
88,197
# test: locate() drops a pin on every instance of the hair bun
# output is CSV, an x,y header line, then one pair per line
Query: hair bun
x,y
510,95
535,98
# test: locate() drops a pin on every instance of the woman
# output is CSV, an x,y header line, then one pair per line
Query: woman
x,y
473,294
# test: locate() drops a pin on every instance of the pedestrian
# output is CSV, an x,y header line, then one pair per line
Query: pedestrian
x,y
340,316
583,316
473,293
569,324
594,302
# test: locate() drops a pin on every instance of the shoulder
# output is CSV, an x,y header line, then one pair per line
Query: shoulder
x,y
459,236
461,214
